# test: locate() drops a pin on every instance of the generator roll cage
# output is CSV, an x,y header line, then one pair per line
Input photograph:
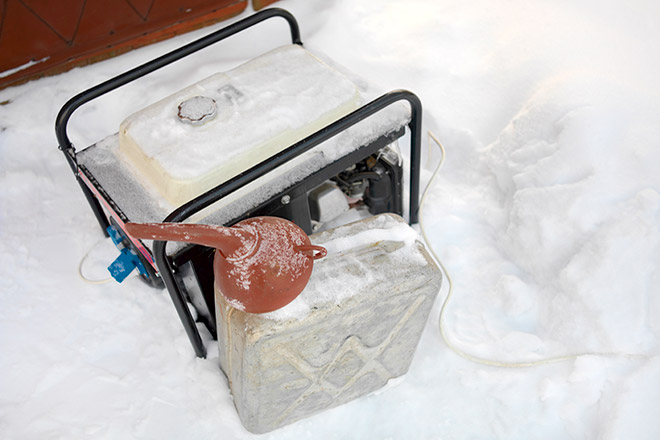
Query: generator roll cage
x,y
164,263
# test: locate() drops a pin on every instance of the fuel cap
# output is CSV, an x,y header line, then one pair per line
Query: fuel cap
x,y
197,110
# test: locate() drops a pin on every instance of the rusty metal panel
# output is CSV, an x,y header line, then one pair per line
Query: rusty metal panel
x,y
41,37
260,4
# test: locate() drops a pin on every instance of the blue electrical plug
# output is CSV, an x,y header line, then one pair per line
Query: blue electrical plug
x,y
127,260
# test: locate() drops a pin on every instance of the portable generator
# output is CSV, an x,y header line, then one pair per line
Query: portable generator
x,y
288,134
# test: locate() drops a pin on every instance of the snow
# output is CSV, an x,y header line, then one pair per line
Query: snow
x,y
546,214
31,63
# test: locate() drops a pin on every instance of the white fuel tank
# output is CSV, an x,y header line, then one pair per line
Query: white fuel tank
x,y
209,132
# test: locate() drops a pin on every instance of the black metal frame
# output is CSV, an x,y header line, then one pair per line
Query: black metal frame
x,y
164,263
138,72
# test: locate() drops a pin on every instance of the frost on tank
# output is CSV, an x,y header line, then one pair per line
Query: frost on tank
x,y
386,231
213,130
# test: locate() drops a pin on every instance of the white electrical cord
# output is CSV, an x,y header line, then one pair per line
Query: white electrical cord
x,y
82,261
454,348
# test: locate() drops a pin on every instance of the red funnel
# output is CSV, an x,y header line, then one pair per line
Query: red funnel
x,y
261,264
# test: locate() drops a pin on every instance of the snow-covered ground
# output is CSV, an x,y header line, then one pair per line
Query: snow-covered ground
x,y
546,214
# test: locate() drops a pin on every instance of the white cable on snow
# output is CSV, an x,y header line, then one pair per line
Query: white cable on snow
x,y
82,261
454,348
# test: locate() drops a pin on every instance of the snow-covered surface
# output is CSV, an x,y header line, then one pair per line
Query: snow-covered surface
x,y
8,72
546,214
263,106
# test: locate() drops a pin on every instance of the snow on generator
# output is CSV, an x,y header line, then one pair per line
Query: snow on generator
x,y
289,135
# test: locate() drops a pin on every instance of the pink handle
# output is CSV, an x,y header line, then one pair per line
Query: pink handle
x,y
312,251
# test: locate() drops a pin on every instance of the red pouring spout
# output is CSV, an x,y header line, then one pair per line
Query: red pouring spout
x,y
261,264
226,240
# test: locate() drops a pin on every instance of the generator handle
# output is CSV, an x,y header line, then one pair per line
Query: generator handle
x,y
165,265
77,101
